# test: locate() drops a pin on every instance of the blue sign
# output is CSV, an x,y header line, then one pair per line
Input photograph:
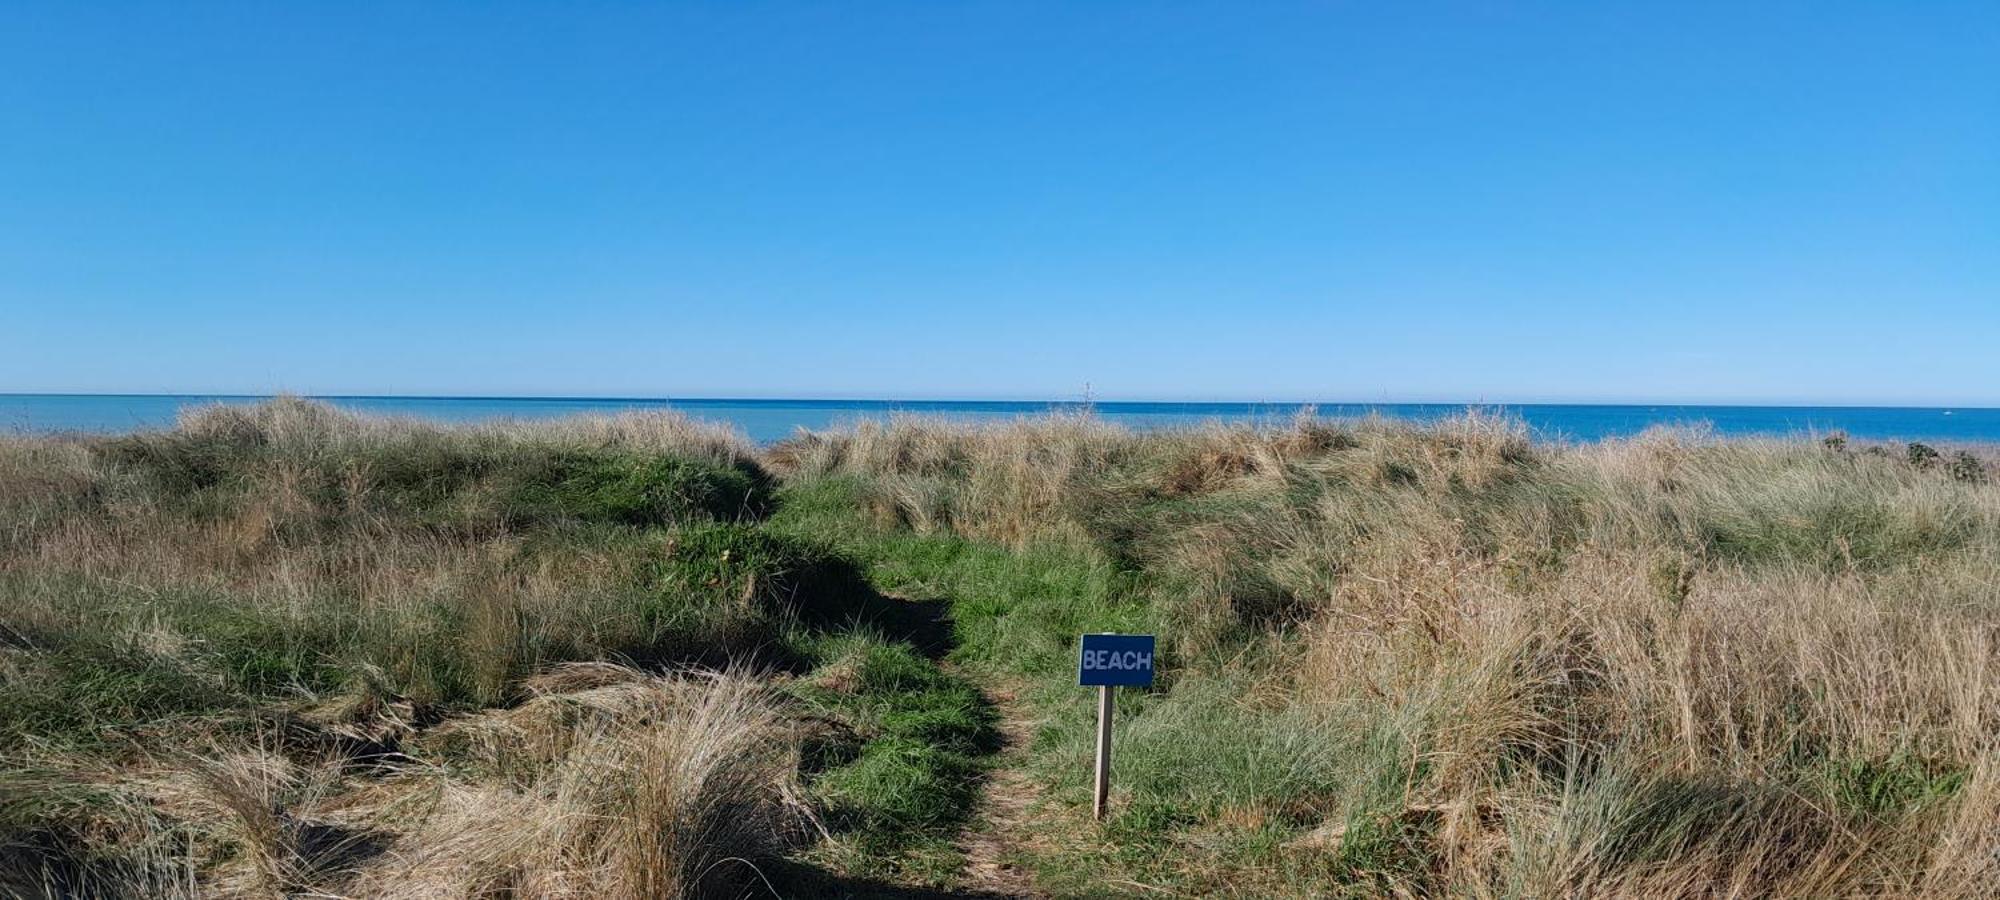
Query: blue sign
x,y
1115,659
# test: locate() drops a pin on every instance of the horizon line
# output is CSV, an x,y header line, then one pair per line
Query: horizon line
x,y
581,398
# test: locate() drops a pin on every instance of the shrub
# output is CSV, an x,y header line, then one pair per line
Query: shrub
x,y
1921,456
1967,468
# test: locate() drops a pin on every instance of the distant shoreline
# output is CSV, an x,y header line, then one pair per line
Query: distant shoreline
x,y
772,419
911,402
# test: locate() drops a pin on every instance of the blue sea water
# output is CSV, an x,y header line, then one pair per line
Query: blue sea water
x,y
769,420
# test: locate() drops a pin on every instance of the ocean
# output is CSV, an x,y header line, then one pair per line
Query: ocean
x,y
770,420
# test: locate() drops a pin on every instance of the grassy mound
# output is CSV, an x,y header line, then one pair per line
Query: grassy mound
x,y
1447,660
281,650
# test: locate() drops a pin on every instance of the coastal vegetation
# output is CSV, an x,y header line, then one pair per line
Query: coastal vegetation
x,y
281,650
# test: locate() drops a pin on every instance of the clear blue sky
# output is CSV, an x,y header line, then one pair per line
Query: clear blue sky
x,y
1794,202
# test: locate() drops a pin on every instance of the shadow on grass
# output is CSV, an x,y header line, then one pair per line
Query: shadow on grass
x,y
925,625
901,770
793,879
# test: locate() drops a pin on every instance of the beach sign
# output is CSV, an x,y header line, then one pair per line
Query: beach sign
x,y
1115,660
1108,661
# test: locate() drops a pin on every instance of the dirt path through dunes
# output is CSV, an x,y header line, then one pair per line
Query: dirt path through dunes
x,y
1003,824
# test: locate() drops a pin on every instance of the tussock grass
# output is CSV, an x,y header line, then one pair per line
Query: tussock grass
x,y
285,650
1449,660
248,606
607,783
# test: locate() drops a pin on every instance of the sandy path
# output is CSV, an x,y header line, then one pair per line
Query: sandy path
x,y
1004,823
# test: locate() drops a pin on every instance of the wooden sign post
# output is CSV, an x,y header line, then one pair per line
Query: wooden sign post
x,y
1107,661
1103,782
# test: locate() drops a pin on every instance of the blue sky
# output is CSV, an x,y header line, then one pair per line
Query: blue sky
x,y
1781,202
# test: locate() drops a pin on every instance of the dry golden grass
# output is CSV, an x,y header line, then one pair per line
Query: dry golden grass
x,y
1008,482
218,639
1670,666
609,783
1419,660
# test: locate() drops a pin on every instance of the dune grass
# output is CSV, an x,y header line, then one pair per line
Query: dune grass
x,y
280,650
1448,660
275,650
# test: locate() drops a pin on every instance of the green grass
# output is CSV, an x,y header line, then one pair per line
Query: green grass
x,y
899,776
76,696
1189,749
1886,788
1423,661
685,575
1013,612
635,490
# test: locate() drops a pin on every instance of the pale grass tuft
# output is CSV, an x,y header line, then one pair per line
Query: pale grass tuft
x,y
618,785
